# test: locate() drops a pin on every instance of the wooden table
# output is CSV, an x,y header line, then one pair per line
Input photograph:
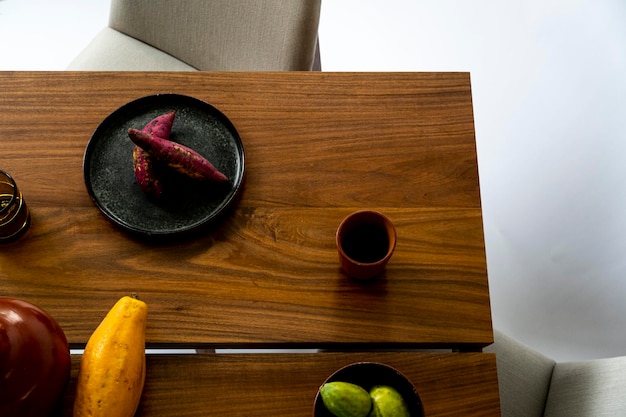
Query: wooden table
x,y
318,146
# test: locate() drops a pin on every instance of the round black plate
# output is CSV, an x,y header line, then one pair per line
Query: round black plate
x,y
187,204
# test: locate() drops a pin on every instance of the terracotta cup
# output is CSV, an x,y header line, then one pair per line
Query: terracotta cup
x,y
366,240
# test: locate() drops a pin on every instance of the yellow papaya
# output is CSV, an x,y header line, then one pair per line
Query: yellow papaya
x,y
113,366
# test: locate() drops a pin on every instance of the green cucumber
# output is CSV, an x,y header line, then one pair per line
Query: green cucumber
x,y
387,402
344,399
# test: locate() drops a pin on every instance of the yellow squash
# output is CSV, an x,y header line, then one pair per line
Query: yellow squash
x,y
113,367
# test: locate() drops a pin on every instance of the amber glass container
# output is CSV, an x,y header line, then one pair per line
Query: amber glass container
x,y
14,215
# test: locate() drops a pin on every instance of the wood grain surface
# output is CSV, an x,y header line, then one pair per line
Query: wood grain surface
x,y
318,146
280,385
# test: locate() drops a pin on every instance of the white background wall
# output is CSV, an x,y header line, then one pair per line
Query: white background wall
x,y
549,90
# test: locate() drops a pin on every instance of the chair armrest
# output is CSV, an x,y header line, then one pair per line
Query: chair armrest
x,y
523,377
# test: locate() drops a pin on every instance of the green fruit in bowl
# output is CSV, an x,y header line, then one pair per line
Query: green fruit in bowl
x,y
344,399
387,402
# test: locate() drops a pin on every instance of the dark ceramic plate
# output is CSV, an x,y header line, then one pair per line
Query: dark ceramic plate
x,y
368,375
187,205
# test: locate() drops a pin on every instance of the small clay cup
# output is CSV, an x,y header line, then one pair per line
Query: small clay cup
x,y
365,240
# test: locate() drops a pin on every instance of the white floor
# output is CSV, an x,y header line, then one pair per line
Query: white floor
x,y
549,88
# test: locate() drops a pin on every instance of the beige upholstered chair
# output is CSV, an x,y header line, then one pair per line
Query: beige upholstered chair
x,y
209,35
533,385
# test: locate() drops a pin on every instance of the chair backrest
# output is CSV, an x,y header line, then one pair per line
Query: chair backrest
x,y
588,388
214,35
